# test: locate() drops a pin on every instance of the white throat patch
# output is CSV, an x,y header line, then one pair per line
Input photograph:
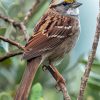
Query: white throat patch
x,y
72,12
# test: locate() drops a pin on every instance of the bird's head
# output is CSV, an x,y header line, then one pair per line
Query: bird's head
x,y
67,7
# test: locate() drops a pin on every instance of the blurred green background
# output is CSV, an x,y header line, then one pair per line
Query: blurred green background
x,y
72,66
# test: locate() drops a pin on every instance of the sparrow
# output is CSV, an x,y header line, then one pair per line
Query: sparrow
x,y
54,35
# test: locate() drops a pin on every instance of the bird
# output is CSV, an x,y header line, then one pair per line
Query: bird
x,y
55,35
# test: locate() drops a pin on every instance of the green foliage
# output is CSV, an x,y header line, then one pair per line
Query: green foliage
x,y
5,96
36,93
95,72
9,7
2,30
93,89
12,69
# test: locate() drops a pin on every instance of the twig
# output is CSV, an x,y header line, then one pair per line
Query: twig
x,y
19,25
31,11
64,91
90,59
23,29
12,42
10,54
60,80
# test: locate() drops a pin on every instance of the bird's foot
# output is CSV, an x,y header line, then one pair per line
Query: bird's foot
x,y
44,67
58,88
61,84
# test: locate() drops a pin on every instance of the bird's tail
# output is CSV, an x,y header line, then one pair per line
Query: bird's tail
x,y
27,79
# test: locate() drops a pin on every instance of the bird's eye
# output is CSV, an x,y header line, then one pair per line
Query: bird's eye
x,y
68,2
65,4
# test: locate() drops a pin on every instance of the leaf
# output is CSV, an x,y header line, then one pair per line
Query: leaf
x,y
5,96
2,30
36,93
5,45
7,74
6,5
14,10
6,63
94,79
1,49
92,92
2,9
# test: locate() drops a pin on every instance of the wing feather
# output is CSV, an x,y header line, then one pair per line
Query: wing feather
x,y
42,43
50,32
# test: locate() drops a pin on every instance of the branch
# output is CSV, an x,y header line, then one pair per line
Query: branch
x,y
64,91
90,59
60,80
9,55
31,11
19,25
12,42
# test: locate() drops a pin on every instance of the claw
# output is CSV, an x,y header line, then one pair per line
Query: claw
x,y
57,87
44,67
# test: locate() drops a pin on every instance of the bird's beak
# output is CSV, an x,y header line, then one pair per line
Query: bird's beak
x,y
76,4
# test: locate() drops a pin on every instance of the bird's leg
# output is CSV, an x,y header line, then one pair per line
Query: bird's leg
x,y
60,80
55,73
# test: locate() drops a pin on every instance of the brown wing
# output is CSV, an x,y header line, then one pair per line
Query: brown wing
x,y
50,34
